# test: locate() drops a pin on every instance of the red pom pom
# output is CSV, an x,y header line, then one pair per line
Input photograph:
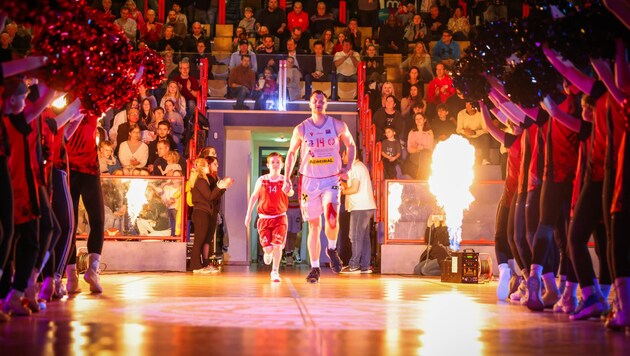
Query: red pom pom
x,y
153,64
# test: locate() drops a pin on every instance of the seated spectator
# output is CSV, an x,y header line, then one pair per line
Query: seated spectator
x,y
248,23
413,79
459,25
6,50
175,119
134,13
418,106
455,104
420,145
301,40
378,97
441,87
267,46
416,30
173,93
146,113
239,36
107,162
327,41
133,120
353,34
163,135
321,21
346,63
189,87
178,25
388,116
190,42
169,65
235,58
298,18
374,69
21,40
260,36
339,44
106,8
391,151
406,12
143,93
181,17
294,76
293,51
471,126
195,61
153,220
446,51
158,116
316,68
120,118
241,82
443,126
205,12
367,42
169,41
420,59
127,25
391,37
133,153
497,10
268,91
413,97
274,18
172,159
436,23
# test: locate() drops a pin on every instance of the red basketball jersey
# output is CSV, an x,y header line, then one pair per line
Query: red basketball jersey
x,y
272,200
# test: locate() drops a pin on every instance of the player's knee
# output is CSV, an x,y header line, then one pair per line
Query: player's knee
x,y
331,215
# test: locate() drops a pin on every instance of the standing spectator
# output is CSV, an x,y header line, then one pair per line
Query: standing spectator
x,y
321,21
297,18
127,25
420,147
190,42
241,82
360,203
441,87
436,23
459,25
274,18
151,31
169,42
243,49
317,68
391,37
368,13
471,126
346,63
446,51
420,59
248,23
416,30
353,34
391,152
188,87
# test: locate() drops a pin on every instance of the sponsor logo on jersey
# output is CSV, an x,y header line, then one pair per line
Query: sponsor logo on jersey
x,y
317,161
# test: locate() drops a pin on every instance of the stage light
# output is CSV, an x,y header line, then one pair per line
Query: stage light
x,y
60,102
281,139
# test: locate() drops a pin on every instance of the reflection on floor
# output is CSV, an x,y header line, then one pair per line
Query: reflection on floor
x,y
239,311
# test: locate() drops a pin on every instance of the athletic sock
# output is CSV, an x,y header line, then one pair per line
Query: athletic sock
x,y
536,270
315,263
571,288
332,244
549,279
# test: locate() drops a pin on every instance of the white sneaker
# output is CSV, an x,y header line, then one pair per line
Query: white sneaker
x,y
503,287
207,270
275,276
267,258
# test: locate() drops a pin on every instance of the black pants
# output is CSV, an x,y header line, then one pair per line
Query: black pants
x,y
49,229
619,239
511,232
586,217
24,253
520,231
88,187
6,212
63,210
501,245
555,205
205,227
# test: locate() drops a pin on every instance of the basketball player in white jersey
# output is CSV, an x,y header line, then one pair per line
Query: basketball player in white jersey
x,y
318,138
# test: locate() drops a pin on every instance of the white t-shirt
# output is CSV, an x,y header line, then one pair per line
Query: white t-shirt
x,y
364,198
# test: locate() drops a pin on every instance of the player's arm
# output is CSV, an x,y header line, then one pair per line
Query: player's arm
x,y
252,201
294,146
347,140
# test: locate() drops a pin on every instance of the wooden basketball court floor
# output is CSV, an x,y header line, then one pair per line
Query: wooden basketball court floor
x,y
240,312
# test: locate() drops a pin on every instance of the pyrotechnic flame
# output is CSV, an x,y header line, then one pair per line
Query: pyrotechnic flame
x,y
394,200
136,198
452,174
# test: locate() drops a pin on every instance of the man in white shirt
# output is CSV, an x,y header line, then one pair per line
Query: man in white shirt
x,y
346,62
470,124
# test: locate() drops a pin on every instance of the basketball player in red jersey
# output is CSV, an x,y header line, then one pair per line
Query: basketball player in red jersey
x,y
272,212
319,139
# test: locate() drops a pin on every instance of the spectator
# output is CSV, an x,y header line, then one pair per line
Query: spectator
x,y
459,25
471,126
169,42
268,91
195,61
241,82
388,116
321,21
293,51
301,40
151,31
127,25
293,80
436,23
346,63
446,51
416,30
391,37
107,162
179,27
124,129
21,40
317,68
157,117
339,45
413,97
443,125
327,41
239,36
134,13
120,118
205,12
146,114
496,11
413,79
420,148
274,18
455,104
374,69
181,17
172,160
366,43
189,87
353,34
441,87
133,153
391,152
190,42
420,59
417,106
175,119
173,93
297,18
379,97
163,135
6,50
106,8
368,13
260,35
248,23
243,48
267,55
405,13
